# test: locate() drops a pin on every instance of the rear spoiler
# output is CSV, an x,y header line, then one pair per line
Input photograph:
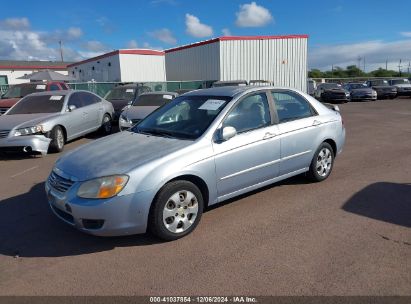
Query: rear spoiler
x,y
332,107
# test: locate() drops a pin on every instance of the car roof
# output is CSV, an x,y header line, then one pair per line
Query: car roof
x,y
159,93
229,91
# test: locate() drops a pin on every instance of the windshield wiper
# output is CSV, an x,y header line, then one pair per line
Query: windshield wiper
x,y
156,132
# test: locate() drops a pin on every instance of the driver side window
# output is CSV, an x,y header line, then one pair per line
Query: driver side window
x,y
250,113
76,100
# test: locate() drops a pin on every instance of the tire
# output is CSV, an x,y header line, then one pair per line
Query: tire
x,y
106,126
167,220
322,163
57,140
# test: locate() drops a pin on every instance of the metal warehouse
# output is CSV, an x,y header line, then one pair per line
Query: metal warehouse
x,y
121,66
280,59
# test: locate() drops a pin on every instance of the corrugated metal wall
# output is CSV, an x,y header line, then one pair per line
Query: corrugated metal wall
x,y
196,63
283,61
142,68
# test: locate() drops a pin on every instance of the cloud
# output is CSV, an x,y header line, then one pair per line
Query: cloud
x,y
226,32
95,46
375,53
107,26
406,34
253,15
197,29
164,35
147,45
132,44
15,23
74,32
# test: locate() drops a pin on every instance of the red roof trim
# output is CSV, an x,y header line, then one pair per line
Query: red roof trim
x,y
231,38
131,52
31,67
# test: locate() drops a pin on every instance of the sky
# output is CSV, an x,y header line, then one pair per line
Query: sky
x,y
341,32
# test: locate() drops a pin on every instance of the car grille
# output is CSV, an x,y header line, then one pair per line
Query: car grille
x,y
3,110
59,183
4,133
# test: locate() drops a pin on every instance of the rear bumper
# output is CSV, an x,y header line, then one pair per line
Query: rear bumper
x,y
36,143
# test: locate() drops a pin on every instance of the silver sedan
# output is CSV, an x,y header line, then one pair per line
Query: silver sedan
x,y
43,122
162,173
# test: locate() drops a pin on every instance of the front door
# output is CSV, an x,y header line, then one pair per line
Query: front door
x,y
253,155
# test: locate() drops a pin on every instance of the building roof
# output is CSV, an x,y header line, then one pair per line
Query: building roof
x,y
235,38
117,52
29,65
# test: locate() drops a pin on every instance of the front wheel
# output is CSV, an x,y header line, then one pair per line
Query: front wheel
x,y
322,163
176,210
57,139
106,126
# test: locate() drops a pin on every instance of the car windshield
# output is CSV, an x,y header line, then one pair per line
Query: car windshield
x,y
38,104
120,93
186,117
400,81
357,86
19,91
331,86
153,100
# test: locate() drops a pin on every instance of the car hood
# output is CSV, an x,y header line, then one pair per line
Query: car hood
x,y
138,112
362,90
8,102
117,154
8,122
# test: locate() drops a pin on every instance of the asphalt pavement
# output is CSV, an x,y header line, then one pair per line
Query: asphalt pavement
x,y
349,235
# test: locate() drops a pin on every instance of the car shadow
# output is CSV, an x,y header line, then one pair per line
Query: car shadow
x,y
18,155
383,201
28,228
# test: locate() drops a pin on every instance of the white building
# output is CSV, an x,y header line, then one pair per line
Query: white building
x,y
10,70
134,65
280,59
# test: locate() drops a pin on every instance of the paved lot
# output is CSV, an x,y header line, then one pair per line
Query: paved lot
x,y
349,235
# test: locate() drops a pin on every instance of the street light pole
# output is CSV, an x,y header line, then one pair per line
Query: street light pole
x,y
61,51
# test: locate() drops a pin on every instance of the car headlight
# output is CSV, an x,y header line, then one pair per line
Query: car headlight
x,y
124,119
29,131
103,187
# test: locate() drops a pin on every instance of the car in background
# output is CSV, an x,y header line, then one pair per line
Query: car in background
x,y
142,106
42,122
123,95
228,83
261,83
162,173
383,89
360,91
311,87
331,92
18,91
403,86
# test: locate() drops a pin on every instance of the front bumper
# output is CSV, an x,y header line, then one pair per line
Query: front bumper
x,y
339,98
363,97
402,92
119,215
36,143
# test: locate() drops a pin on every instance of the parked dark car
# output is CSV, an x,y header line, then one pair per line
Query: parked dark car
x,y
383,89
123,95
228,83
18,91
403,86
360,91
331,92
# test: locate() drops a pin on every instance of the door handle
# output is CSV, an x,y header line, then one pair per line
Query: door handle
x,y
316,123
269,135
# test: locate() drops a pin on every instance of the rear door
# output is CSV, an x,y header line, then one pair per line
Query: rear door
x,y
253,155
299,126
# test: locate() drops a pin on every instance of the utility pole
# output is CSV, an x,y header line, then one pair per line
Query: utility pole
x,y
359,65
332,71
61,51
364,64
386,65
408,70
399,68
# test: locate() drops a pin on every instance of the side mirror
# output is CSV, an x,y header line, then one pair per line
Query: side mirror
x,y
71,108
130,102
226,133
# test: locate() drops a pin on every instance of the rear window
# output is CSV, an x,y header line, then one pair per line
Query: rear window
x,y
38,104
153,100
19,91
